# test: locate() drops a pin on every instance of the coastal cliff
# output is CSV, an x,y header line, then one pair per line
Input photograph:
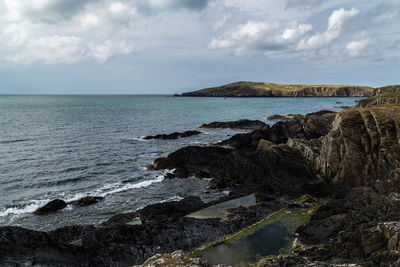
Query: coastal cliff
x,y
258,89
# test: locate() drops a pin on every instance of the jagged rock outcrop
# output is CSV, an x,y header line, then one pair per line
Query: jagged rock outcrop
x,y
307,127
362,147
276,168
239,124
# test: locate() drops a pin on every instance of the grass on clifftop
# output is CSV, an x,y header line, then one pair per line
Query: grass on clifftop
x,y
261,88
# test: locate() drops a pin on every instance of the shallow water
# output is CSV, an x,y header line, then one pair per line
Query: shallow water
x,y
72,146
265,240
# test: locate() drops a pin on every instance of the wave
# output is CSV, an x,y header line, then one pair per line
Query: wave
x,y
24,208
109,189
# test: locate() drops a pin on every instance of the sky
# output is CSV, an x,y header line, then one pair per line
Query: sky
x,y
173,46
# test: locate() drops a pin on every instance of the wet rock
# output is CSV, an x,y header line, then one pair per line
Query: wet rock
x,y
307,127
52,206
86,201
239,124
174,135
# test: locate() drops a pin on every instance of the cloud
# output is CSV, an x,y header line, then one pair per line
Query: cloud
x,y
157,5
301,4
54,49
260,36
45,10
336,21
355,48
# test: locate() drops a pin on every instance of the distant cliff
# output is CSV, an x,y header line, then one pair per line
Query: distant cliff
x,y
259,89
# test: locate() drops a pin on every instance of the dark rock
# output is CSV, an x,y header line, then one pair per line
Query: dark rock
x,y
68,234
277,117
240,124
174,135
362,146
86,201
52,206
342,107
23,247
171,210
310,126
277,168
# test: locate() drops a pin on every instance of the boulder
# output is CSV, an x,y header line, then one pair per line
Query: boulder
x,y
52,206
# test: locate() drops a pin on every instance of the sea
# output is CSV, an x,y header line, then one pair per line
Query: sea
x,y
71,146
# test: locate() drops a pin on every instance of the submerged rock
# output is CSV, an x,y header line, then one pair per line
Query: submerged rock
x,y
52,206
174,135
239,124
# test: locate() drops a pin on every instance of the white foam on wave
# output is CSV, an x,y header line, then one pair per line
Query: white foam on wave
x,y
109,189
31,206
141,138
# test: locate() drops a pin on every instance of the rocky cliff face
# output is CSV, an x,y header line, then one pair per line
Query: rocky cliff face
x,y
388,95
257,89
362,147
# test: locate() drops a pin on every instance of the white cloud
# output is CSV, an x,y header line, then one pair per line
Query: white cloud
x,y
105,51
356,48
336,21
260,37
90,20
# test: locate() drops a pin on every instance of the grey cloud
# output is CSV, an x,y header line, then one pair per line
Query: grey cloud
x,y
147,6
51,11
304,3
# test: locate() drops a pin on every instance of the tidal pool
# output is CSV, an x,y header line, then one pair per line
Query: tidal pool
x,y
220,210
270,237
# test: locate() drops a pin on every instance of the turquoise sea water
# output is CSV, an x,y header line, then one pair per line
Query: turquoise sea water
x,y
72,146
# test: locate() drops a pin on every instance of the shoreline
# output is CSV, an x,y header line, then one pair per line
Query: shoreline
x,y
237,169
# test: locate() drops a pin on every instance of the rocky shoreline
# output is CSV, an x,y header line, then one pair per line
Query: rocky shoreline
x,y
349,161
